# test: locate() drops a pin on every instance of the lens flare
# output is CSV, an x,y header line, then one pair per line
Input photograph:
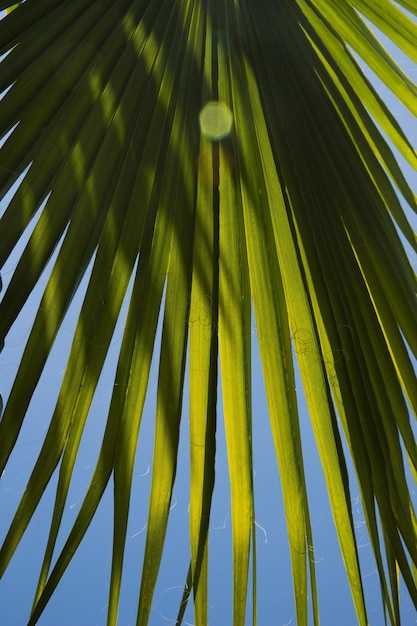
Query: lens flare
x,y
216,120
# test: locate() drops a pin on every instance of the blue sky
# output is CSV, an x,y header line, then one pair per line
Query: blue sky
x,y
81,598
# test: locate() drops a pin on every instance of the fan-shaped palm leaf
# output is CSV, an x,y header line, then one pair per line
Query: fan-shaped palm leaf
x,y
218,155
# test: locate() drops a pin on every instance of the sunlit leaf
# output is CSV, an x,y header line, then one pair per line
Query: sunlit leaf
x,y
210,165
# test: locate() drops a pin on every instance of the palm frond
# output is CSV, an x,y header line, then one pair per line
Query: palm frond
x,y
280,201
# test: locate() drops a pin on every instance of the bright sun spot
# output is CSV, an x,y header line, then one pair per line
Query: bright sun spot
x,y
216,120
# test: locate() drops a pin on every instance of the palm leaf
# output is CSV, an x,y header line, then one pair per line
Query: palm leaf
x,y
280,201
